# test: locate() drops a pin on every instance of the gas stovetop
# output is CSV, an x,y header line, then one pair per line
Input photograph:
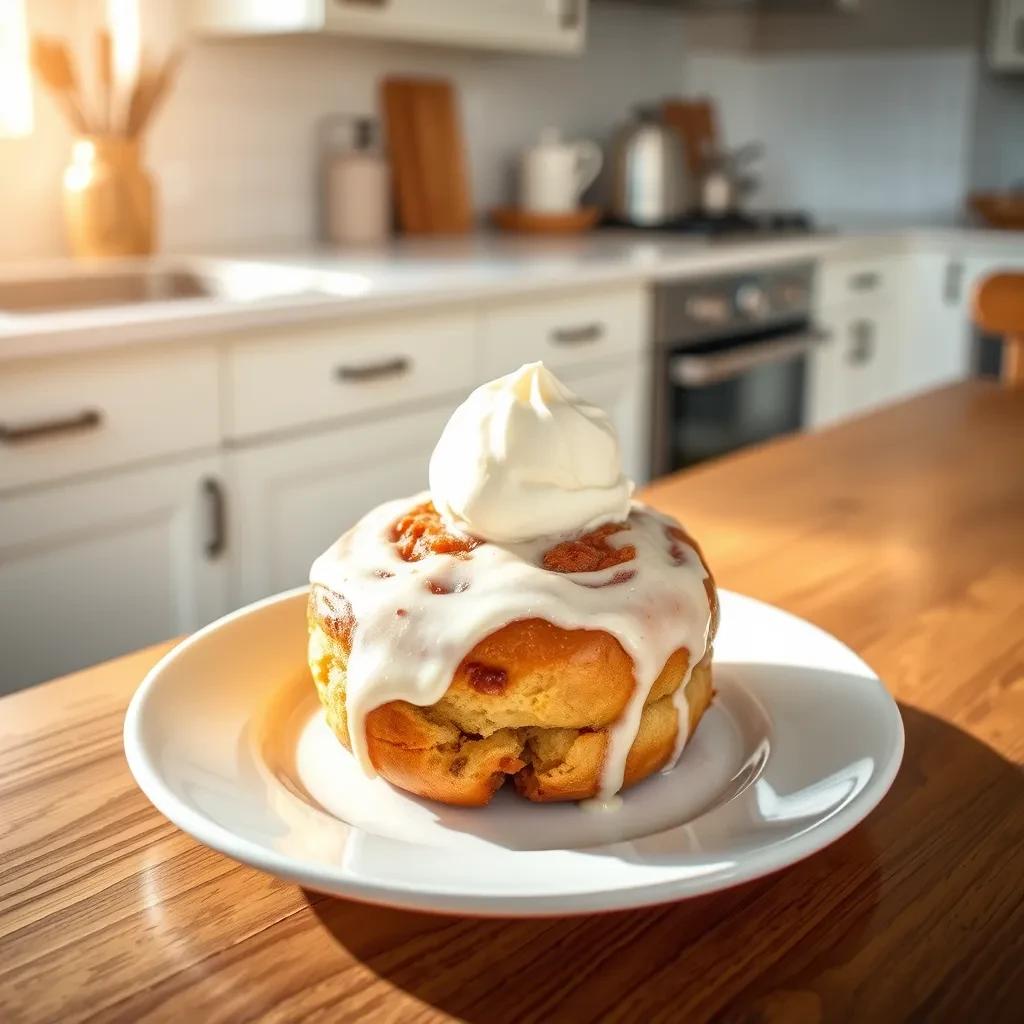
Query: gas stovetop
x,y
729,225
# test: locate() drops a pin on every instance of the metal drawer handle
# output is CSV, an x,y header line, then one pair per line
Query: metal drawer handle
x,y
577,335
216,541
861,351
88,419
396,367
866,281
697,371
952,280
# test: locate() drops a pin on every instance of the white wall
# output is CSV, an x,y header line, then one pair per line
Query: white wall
x,y
851,136
865,134
998,149
234,147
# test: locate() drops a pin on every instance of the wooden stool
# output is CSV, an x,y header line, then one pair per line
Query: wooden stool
x,y
999,309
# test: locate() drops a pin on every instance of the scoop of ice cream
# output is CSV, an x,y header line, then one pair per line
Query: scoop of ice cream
x,y
525,457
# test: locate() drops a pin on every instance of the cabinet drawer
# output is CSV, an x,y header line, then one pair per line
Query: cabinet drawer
x,y
346,370
854,280
564,331
63,417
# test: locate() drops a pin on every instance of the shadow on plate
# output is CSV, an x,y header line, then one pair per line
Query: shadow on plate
x,y
813,940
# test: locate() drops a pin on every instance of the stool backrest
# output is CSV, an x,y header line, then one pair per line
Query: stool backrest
x,y
999,309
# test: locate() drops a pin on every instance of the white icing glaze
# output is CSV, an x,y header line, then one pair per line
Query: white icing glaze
x,y
408,641
682,702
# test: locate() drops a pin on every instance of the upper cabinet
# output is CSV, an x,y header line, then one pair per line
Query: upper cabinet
x,y
547,26
1006,35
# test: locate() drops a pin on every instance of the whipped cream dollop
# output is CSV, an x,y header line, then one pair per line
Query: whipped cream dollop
x,y
525,457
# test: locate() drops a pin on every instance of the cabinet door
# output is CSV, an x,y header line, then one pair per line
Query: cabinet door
x,y
554,25
291,499
858,367
938,329
623,391
92,570
1006,35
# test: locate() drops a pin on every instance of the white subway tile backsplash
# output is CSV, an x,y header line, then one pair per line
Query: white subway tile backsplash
x,y
850,134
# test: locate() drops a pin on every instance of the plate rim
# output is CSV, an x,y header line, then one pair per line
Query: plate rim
x,y
399,895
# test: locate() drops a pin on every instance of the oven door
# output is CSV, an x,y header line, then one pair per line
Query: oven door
x,y
736,392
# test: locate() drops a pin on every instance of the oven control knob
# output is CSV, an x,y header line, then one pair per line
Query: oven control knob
x,y
752,301
794,295
707,309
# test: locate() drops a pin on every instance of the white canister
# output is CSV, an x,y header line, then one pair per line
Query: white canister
x,y
357,192
555,173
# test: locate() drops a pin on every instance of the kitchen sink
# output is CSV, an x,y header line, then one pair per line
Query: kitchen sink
x,y
138,286
89,290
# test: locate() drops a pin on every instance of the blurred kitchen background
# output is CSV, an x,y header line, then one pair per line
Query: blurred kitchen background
x,y
253,253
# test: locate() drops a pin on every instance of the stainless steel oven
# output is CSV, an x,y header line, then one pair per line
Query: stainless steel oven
x,y
730,362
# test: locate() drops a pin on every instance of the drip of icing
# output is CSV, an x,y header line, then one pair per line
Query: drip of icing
x,y
682,703
412,657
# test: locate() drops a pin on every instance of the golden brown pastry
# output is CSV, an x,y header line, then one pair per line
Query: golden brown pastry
x,y
531,700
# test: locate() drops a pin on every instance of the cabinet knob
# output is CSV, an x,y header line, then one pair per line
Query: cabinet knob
x,y
752,301
713,310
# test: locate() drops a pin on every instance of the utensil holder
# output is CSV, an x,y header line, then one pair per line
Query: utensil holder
x,y
108,199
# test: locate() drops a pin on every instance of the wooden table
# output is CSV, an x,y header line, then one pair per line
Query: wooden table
x,y
902,533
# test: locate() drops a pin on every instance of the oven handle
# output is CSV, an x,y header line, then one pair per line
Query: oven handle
x,y
698,371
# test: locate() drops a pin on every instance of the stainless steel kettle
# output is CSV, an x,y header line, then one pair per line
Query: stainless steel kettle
x,y
650,182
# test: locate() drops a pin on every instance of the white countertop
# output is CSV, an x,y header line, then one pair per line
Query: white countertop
x,y
260,291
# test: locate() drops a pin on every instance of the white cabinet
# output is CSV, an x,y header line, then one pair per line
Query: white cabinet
x,y
1006,35
92,570
623,391
565,330
270,445
61,418
937,343
346,371
527,25
289,500
856,369
865,317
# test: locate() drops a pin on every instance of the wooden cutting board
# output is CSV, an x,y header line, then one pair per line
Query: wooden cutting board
x,y
696,123
428,161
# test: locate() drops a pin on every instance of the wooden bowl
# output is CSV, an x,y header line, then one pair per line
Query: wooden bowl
x,y
511,218
999,209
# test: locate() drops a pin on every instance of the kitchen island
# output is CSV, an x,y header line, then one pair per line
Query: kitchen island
x,y
899,532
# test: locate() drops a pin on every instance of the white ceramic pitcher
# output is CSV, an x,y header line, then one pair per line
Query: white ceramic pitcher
x,y
555,173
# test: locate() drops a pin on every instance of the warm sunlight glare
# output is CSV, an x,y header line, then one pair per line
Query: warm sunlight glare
x,y
123,18
15,86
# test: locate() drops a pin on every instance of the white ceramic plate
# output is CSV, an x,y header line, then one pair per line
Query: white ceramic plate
x,y
226,737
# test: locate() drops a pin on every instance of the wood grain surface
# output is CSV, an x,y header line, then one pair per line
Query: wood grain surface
x,y
902,533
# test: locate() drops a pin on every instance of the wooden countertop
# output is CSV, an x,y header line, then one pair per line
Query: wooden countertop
x,y
902,533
